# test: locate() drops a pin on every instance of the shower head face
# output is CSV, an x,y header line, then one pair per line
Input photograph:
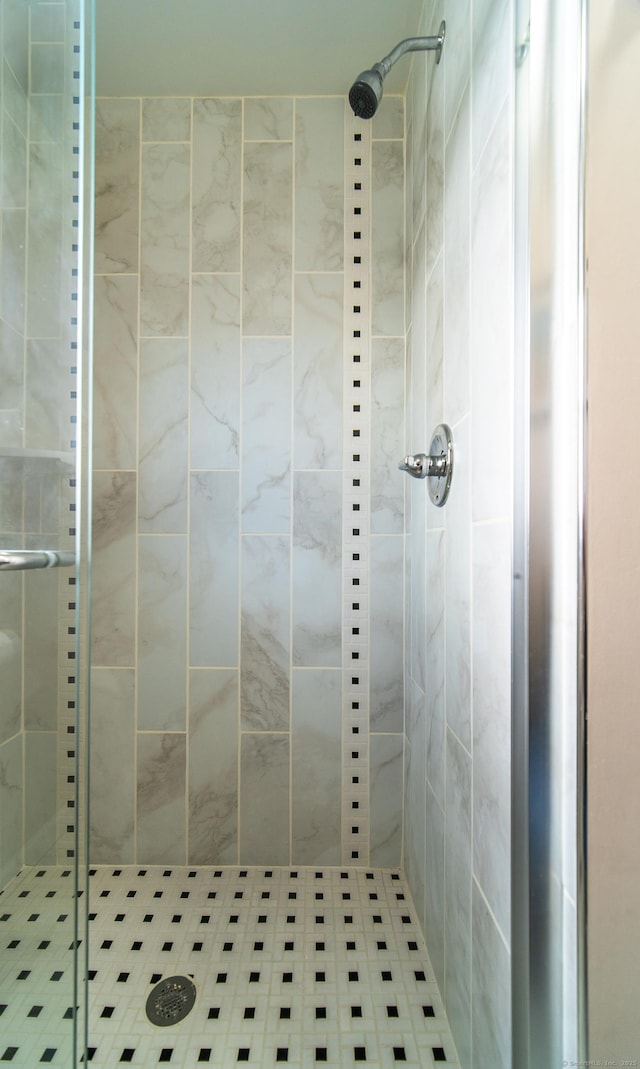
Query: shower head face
x,y
365,94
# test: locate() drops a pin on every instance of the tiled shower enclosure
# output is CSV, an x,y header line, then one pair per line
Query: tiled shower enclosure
x,y
249,420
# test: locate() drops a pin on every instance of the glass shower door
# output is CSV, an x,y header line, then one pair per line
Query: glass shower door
x,y
41,504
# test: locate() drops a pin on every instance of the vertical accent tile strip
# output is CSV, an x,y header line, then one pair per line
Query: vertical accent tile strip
x,y
68,760
355,620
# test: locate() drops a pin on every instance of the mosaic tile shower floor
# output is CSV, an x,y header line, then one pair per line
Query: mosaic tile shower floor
x,y
301,966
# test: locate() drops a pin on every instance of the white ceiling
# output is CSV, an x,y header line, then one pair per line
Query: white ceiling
x,y
247,47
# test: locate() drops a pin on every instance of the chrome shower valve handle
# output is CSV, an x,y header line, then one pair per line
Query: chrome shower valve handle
x,y
436,466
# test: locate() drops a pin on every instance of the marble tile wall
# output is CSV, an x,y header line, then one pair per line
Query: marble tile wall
x,y
218,631
37,313
458,594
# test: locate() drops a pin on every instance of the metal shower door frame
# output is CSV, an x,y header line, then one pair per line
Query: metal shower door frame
x,y
548,613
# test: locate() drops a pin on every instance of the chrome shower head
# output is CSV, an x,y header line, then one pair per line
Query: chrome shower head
x,y
366,92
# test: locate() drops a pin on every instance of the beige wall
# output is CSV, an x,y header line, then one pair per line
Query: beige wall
x,y
613,545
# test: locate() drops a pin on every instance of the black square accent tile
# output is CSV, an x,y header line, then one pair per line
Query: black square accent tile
x,y
254,977
9,1054
353,975
412,946
320,946
387,975
137,945
392,1011
167,946
399,1054
359,1054
166,1054
24,974
321,977
321,1054
197,946
249,1013
48,1055
351,945
287,978
356,1011
156,978
243,1054
282,1054
221,978
35,1011
292,946
204,1054
214,1013
108,1011
321,1013
127,1054
439,1054
258,946
381,944
285,1013
419,974
122,977
428,1011
228,947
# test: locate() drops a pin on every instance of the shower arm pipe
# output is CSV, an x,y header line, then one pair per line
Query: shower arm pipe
x,y
411,44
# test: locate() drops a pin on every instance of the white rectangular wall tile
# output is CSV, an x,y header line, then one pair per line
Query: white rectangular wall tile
x,y
117,185
387,222
267,236
166,119
319,178
492,716
457,574
112,748
40,797
11,808
161,778
386,792
217,176
386,699
436,617
316,729
317,581
115,373
268,118
318,371
165,239
387,435
266,435
492,321
213,766
457,935
265,653
214,569
264,799
215,371
163,438
491,1022
114,568
162,638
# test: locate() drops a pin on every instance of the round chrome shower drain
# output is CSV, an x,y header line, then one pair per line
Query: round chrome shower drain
x,y
171,1000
